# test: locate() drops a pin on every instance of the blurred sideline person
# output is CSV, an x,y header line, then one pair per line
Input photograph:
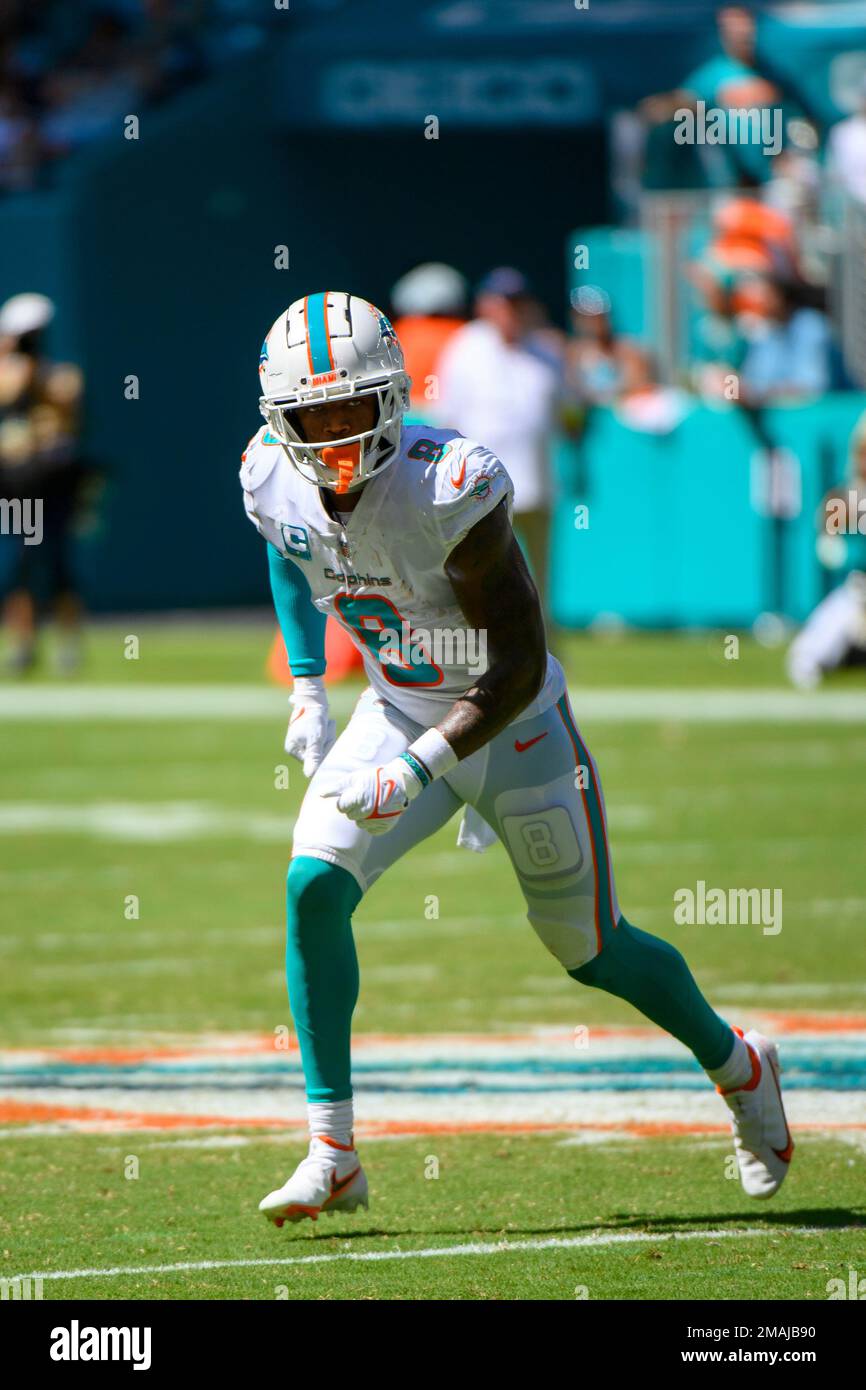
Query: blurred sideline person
x,y
751,235
601,365
40,463
430,306
789,346
765,330
835,634
846,150
730,80
496,386
604,368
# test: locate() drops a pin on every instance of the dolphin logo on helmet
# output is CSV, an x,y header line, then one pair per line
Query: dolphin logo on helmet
x,y
332,346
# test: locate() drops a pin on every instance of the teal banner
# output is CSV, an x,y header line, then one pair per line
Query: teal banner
x,y
698,527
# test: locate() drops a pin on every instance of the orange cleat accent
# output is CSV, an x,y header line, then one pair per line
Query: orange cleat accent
x,y
755,1078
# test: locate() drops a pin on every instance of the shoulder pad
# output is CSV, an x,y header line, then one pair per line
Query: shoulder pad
x,y
259,459
470,481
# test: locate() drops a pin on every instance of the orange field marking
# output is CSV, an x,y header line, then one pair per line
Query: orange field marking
x,y
233,1045
29,1112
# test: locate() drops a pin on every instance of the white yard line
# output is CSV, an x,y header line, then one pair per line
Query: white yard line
x,y
137,822
694,705
152,702
440,1251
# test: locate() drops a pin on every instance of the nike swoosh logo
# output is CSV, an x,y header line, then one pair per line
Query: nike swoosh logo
x,y
522,747
382,794
338,1187
458,481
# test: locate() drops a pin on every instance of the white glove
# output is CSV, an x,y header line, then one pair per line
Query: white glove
x,y
376,797
311,732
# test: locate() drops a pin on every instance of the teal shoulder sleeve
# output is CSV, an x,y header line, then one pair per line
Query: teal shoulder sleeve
x,y
302,625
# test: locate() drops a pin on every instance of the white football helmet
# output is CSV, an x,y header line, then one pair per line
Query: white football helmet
x,y
326,347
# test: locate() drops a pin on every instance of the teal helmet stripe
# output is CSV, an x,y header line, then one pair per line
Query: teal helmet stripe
x,y
318,340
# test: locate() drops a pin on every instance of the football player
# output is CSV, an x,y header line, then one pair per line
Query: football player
x,y
404,535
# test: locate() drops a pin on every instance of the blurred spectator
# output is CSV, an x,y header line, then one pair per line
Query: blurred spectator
x,y
542,337
719,345
761,278
789,345
498,390
40,464
604,368
749,235
732,77
430,304
107,76
729,81
69,74
835,634
20,144
794,187
600,364
846,151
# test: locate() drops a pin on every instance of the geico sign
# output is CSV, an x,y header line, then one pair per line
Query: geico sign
x,y
544,90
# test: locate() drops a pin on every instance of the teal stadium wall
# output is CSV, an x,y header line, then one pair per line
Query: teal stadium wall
x,y
677,534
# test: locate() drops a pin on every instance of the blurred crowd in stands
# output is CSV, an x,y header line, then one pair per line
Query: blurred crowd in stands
x,y
763,275
755,264
69,74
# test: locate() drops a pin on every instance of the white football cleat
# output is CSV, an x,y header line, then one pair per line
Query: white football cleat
x,y
329,1179
762,1138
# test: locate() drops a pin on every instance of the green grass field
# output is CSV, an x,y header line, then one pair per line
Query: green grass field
x,y
142,865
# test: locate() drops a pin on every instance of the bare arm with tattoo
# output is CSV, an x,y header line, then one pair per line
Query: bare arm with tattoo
x,y
496,595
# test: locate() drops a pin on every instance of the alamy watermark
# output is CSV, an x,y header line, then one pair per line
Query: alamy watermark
x,y
22,516
77,1343
729,125
413,648
846,516
855,1287
713,907
23,1286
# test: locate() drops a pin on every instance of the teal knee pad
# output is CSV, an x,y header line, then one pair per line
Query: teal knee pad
x,y
322,972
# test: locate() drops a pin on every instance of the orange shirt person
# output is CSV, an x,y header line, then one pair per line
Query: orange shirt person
x,y
429,303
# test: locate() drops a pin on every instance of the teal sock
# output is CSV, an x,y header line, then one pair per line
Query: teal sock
x,y
652,975
322,972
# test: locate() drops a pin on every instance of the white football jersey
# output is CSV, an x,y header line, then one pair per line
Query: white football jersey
x,y
382,574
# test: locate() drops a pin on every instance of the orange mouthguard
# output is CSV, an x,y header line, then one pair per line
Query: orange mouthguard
x,y
345,458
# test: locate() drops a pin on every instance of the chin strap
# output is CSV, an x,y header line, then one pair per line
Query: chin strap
x,y
345,459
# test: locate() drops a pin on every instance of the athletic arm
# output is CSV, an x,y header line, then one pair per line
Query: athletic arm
x,y
301,623
311,730
496,594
